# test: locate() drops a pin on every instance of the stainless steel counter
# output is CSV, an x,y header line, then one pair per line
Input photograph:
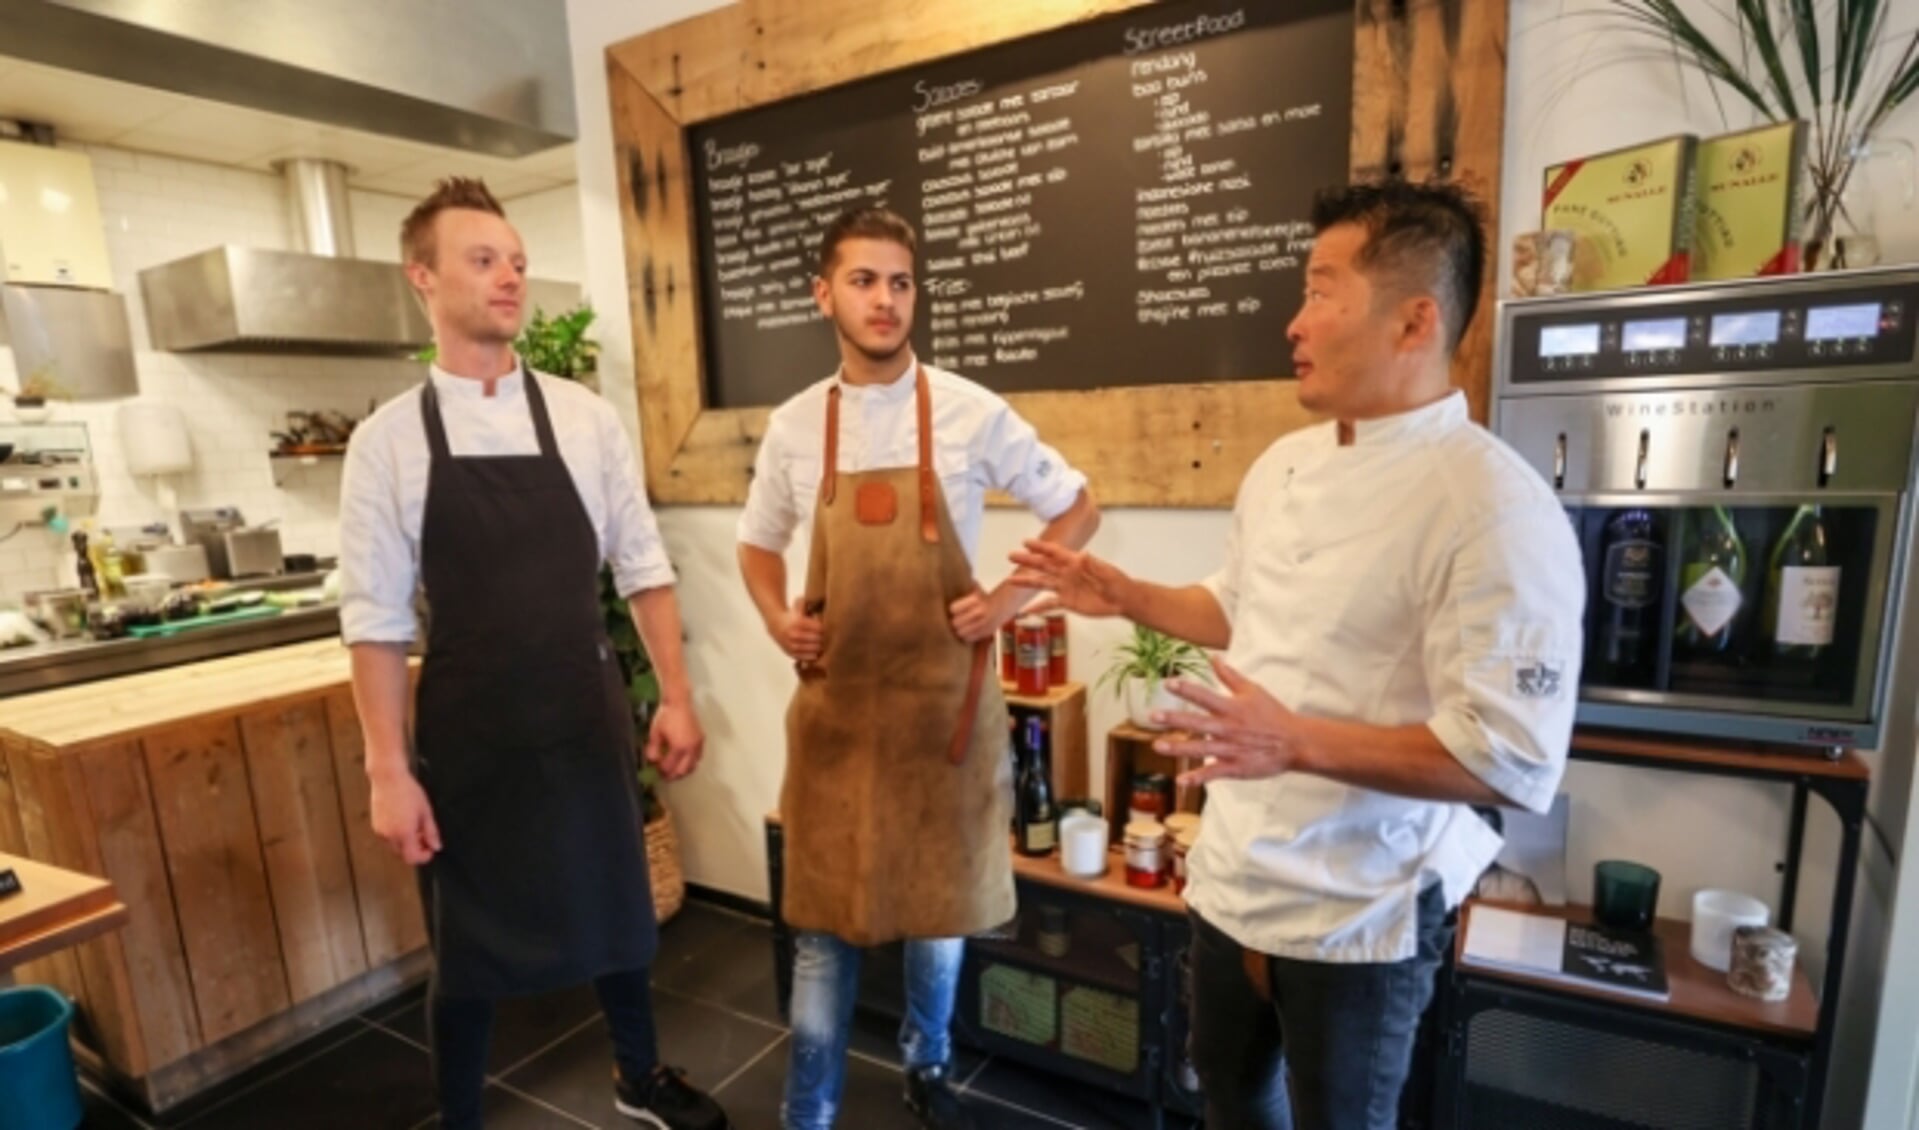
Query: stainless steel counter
x,y
63,663
66,662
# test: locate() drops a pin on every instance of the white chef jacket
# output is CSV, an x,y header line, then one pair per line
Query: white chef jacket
x,y
384,484
979,444
1424,574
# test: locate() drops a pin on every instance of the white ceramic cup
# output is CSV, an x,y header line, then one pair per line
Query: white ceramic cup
x,y
1715,915
1083,848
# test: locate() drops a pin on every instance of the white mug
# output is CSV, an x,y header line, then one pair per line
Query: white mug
x,y
1715,915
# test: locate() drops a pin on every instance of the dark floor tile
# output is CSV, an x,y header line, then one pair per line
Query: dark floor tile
x,y
373,1081
521,1025
690,935
505,1110
733,969
98,1112
706,1042
1066,1100
871,1101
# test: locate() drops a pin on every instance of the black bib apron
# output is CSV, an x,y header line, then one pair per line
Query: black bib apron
x,y
524,735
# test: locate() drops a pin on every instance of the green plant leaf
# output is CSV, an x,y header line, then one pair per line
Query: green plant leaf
x,y
1766,40
644,690
1665,21
1151,656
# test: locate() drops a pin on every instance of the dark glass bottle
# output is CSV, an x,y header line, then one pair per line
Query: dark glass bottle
x,y
83,566
1632,574
1712,578
1036,821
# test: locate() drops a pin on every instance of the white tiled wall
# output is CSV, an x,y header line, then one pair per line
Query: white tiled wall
x,y
156,209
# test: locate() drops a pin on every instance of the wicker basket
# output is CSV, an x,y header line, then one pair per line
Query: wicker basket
x,y
663,866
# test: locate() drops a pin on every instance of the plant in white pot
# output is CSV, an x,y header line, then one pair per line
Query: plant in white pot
x,y
1141,667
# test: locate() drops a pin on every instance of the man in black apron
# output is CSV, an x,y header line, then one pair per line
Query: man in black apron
x,y
500,493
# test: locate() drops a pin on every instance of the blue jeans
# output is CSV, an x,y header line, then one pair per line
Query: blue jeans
x,y
826,982
1340,1035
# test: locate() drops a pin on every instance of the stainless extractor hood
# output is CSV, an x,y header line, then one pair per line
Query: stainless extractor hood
x,y
486,76
320,300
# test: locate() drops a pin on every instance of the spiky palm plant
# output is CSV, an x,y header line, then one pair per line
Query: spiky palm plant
x,y
1811,59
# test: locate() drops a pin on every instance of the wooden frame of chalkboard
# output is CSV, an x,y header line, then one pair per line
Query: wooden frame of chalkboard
x,y
1428,83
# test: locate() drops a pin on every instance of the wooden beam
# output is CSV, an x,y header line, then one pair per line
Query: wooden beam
x,y
128,834
205,811
392,923
296,802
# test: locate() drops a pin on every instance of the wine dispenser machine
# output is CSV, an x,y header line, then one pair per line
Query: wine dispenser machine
x,y
1738,462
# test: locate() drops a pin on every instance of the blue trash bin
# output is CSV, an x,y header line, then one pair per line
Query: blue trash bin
x,y
36,1065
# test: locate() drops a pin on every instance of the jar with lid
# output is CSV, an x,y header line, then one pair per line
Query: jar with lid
x,y
1146,854
1183,842
1152,797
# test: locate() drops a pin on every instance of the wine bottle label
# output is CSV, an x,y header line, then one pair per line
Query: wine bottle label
x,y
1632,573
1040,836
1711,599
1808,604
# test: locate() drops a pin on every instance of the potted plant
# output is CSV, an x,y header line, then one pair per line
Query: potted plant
x,y
1825,62
643,696
30,399
1141,667
557,346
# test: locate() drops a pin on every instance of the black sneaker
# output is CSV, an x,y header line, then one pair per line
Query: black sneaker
x,y
930,1096
667,1102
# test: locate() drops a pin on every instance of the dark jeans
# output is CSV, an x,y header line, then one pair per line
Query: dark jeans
x,y
1342,1034
460,1030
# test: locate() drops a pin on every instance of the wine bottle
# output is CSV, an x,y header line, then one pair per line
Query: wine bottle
x,y
1711,583
1802,602
1038,822
1631,579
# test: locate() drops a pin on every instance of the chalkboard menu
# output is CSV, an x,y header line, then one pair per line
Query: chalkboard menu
x,y
1119,202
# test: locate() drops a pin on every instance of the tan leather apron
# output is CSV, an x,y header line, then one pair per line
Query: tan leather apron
x,y
898,784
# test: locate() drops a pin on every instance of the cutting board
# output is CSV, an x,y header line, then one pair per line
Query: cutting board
x,y
175,627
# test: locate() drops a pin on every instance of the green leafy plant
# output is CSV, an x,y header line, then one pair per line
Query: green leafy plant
x,y
558,346
636,673
40,385
1791,60
1151,657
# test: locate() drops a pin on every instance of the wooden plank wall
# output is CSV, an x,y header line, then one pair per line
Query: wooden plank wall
x,y
1429,89
242,848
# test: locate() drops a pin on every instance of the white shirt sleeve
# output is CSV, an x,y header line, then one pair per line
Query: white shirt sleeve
x,y
633,546
1018,463
770,516
379,567
1502,650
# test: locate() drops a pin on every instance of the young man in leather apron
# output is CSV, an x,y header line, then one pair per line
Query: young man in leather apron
x,y
898,779
500,492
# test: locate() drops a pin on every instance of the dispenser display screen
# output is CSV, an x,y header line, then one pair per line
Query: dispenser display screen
x,y
1754,327
1569,341
1661,333
1831,323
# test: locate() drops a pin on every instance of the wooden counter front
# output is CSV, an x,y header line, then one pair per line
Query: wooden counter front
x,y
227,804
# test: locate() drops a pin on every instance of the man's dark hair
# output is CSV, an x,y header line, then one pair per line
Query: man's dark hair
x,y
864,222
1427,238
417,244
